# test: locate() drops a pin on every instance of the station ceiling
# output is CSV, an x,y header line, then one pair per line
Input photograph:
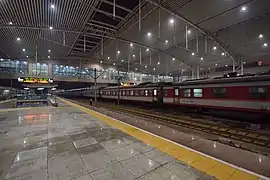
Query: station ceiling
x,y
152,36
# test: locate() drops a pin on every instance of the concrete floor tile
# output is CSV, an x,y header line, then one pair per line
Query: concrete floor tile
x,y
27,167
159,174
139,165
31,154
112,172
98,160
124,153
113,144
84,142
83,177
141,147
65,167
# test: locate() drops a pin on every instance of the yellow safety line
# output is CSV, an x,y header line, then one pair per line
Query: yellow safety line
x,y
207,164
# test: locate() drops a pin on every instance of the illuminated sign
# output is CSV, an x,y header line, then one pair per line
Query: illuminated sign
x,y
35,80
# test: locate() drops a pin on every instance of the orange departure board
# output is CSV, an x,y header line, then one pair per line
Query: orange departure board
x,y
35,80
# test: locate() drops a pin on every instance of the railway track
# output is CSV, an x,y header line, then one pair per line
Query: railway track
x,y
208,127
227,132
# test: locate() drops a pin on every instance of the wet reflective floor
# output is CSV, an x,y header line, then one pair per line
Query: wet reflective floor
x,y
67,144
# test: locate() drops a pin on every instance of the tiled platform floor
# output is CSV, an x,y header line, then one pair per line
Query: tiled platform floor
x,y
67,144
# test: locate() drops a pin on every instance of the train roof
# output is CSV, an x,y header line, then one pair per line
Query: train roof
x,y
228,79
142,85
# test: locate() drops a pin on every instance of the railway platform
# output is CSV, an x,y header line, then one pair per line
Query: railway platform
x,y
72,142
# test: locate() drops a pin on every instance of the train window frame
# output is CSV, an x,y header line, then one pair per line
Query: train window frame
x,y
127,93
218,92
258,94
136,93
198,94
177,92
141,92
186,92
131,92
124,93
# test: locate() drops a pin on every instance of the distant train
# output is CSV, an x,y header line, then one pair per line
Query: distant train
x,y
239,93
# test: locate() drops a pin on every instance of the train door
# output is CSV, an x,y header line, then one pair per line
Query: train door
x,y
176,99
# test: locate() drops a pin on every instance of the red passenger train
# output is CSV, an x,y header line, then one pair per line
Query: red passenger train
x,y
246,93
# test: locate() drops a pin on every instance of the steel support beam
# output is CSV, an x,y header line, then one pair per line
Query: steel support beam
x,y
109,14
191,24
118,6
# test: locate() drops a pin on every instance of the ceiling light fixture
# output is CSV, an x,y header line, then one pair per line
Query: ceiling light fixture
x,y
171,21
49,50
50,27
193,54
26,56
260,36
131,44
108,57
52,6
147,49
23,50
243,9
122,60
154,69
265,45
226,65
118,52
114,64
49,57
173,58
215,64
133,55
101,62
201,58
166,41
189,31
10,23
214,48
149,34
18,39
145,66
223,54
158,63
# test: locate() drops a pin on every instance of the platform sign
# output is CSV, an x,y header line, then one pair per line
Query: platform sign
x,y
34,80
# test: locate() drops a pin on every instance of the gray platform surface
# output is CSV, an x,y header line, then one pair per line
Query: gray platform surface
x,y
67,144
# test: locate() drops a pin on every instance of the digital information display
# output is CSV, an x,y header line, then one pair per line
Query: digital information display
x,y
34,80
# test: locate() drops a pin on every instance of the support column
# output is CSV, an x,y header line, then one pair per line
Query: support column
x,y
50,69
233,66
30,68
242,66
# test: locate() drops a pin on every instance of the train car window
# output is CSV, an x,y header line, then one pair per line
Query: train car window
x,y
176,92
258,92
127,93
142,92
131,92
219,91
136,93
197,92
124,93
155,92
165,92
146,92
186,92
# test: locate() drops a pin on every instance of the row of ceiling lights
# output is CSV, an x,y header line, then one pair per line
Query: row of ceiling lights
x,y
24,50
